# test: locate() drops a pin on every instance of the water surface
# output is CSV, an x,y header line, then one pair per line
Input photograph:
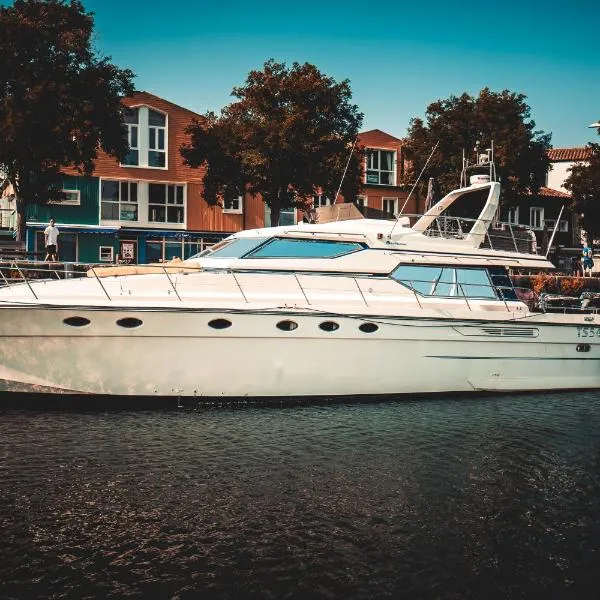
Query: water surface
x,y
470,498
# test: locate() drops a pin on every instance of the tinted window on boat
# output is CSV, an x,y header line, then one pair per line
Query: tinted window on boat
x,y
446,282
294,248
502,283
232,248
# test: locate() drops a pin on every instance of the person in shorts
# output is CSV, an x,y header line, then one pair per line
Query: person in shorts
x,y
51,241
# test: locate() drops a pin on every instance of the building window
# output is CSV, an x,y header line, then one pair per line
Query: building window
x,y
195,246
147,138
287,216
131,119
380,167
321,200
233,205
107,254
71,198
513,215
563,225
161,249
536,217
165,203
157,155
390,205
119,200
361,201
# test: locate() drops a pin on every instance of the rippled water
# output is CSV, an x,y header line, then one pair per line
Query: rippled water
x,y
477,497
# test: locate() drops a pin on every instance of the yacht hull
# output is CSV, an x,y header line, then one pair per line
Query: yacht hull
x,y
177,353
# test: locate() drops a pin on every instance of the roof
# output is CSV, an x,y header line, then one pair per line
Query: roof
x,y
550,193
376,137
142,97
558,154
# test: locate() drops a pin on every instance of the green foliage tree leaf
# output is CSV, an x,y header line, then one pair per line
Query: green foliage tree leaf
x,y
287,136
584,185
59,101
459,123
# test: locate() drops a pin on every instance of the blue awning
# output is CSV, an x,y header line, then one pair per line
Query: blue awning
x,y
75,228
130,231
169,233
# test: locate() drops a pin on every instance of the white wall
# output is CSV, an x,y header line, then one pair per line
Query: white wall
x,y
559,174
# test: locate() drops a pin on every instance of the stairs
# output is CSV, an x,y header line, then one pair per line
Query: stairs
x,y
10,249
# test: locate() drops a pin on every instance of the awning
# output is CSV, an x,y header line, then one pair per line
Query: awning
x,y
75,228
169,233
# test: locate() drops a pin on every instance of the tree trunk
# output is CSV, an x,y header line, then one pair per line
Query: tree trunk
x,y
275,213
20,222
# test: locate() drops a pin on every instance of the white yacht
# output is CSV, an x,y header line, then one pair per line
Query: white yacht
x,y
341,308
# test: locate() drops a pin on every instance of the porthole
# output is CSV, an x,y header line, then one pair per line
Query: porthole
x,y
287,325
219,323
129,322
329,325
368,327
76,321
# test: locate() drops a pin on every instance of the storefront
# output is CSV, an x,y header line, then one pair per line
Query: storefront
x,y
76,243
110,244
147,246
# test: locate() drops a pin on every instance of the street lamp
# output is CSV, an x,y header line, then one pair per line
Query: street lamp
x,y
595,125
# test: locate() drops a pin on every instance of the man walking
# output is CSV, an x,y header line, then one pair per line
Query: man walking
x,y
51,240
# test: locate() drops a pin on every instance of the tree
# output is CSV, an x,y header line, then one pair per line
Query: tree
x,y
459,123
584,185
287,137
59,102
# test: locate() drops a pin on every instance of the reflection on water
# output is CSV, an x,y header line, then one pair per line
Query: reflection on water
x,y
492,497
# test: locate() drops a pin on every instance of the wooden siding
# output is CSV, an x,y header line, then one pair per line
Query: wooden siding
x,y
85,213
204,217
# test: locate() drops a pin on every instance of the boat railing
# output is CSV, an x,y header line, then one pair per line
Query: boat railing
x,y
499,235
30,272
26,272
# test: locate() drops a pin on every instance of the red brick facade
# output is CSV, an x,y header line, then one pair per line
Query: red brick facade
x,y
391,193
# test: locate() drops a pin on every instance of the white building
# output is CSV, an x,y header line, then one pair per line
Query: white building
x,y
562,160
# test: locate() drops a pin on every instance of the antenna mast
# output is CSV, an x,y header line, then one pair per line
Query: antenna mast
x,y
346,169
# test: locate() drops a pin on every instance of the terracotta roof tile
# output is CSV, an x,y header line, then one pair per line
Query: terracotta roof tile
x,y
549,192
556,154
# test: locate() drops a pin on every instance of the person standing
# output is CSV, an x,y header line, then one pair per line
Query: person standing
x,y
51,241
587,262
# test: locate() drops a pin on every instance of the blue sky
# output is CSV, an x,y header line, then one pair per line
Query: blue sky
x,y
399,56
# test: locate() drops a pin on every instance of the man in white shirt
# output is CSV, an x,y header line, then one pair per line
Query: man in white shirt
x,y
51,240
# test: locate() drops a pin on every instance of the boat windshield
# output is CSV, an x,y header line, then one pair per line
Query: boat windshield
x,y
295,248
233,248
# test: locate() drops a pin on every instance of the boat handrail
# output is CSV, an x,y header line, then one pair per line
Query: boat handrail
x,y
12,273
499,235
